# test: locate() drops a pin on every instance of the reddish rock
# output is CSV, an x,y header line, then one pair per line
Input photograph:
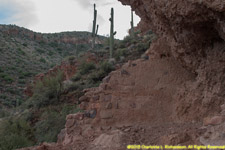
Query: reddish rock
x,y
28,91
83,105
108,98
83,98
77,116
70,123
95,98
95,106
106,79
213,120
108,105
106,114
176,20
222,107
61,136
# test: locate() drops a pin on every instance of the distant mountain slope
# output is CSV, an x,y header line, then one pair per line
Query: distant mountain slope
x,y
24,53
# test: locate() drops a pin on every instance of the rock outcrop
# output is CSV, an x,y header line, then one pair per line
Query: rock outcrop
x,y
175,97
68,70
194,31
67,67
189,26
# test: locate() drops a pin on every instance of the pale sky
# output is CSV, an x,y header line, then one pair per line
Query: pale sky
x,y
50,16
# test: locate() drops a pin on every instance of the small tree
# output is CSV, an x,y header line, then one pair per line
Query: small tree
x,y
47,91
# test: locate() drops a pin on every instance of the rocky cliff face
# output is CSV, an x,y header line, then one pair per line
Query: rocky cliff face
x,y
172,98
194,32
193,29
189,26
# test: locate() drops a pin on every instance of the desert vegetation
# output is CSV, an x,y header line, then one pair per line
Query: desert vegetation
x,y
50,102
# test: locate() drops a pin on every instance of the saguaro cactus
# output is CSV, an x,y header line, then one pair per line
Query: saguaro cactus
x,y
112,33
132,24
94,31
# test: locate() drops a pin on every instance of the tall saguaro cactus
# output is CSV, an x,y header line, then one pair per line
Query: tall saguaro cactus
x,y
112,33
132,24
94,31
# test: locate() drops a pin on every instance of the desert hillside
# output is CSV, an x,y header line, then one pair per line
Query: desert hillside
x,y
54,88
173,94
25,53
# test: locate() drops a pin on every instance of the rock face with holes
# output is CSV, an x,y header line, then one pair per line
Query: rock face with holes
x,y
192,32
189,26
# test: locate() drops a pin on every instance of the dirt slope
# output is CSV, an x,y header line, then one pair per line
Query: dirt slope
x,y
135,104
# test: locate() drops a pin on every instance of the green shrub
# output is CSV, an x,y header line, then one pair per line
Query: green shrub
x,y
120,52
59,50
50,53
106,67
27,74
53,44
42,43
22,81
42,60
125,41
14,134
49,126
73,87
8,79
86,67
25,44
76,77
69,109
52,122
3,113
40,51
19,61
11,90
3,96
21,76
142,47
47,92
71,59
2,75
1,70
6,102
12,68
96,77
20,51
